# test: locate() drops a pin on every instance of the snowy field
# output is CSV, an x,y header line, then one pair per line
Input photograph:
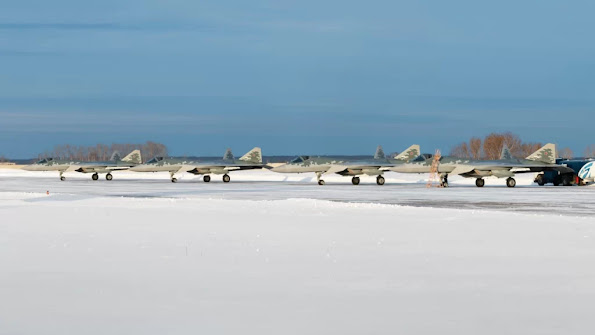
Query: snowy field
x,y
278,254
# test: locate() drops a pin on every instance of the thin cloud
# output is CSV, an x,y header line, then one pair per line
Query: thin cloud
x,y
62,26
111,26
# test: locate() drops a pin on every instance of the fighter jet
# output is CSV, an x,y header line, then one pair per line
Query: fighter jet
x,y
543,159
344,167
251,160
61,165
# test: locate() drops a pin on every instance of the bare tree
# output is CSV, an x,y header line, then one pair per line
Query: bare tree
x,y
461,150
566,153
513,142
102,152
590,151
475,147
528,148
492,146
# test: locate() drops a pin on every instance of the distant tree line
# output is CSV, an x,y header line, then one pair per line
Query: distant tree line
x,y
590,151
3,159
103,152
490,147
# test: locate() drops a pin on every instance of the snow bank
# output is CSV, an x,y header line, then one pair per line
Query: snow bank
x,y
119,265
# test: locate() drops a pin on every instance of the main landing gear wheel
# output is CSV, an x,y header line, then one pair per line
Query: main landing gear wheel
x,y
174,180
226,178
510,182
109,176
206,179
95,176
380,180
479,182
321,182
62,178
355,180
540,180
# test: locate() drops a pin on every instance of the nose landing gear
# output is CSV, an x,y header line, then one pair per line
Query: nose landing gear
x,y
444,180
318,176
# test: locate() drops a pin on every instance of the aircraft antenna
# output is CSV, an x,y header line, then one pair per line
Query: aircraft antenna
x,y
434,180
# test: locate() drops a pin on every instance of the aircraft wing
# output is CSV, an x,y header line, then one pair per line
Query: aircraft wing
x,y
102,168
365,166
117,168
71,168
98,168
463,169
507,169
229,167
223,168
519,168
369,169
184,168
336,169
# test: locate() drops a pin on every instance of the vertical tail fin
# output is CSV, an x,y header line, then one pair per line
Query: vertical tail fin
x,y
133,157
253,156
379,153
228,156
409,153
547,154
505,153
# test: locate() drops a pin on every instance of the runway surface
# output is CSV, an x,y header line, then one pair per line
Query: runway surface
x,y
405,190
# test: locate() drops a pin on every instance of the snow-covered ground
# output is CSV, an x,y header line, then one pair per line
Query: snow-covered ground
x,y
277,254
400,189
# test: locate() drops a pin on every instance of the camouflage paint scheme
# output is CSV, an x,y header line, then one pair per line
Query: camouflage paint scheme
x,y
173,165
60,165
543,159
344,167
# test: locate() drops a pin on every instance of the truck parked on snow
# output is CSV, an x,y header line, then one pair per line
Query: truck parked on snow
x,y
566,179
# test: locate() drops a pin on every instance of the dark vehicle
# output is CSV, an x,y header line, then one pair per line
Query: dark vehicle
x,y
566,179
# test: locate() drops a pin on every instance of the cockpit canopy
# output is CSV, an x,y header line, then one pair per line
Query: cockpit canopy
x,y
299,159
423,157
155,160
45,160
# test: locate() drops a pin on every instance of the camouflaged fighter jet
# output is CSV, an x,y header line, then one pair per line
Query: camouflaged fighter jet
x,y
251,160
344,167
61,165
543,159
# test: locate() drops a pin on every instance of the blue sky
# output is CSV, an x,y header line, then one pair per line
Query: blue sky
x,y
294,76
